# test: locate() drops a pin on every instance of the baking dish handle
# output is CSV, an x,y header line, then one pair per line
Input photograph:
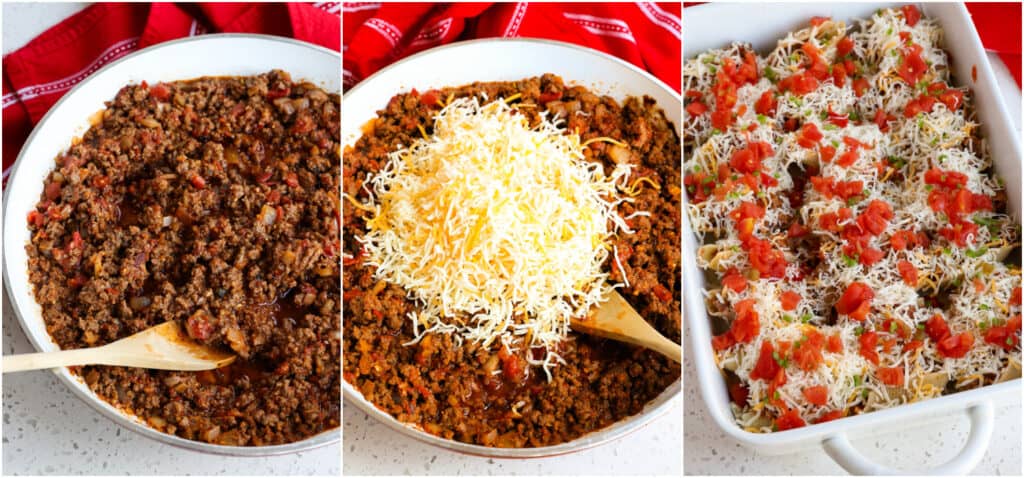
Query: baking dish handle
x,y
982,417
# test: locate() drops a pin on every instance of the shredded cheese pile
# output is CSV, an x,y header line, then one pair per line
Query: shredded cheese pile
x,y
498,230
890,143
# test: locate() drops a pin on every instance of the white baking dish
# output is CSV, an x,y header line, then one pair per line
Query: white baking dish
x,y
718,25
505,60
206,55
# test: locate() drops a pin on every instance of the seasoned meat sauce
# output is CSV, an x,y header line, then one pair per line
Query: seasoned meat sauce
x,y
212,202
490,396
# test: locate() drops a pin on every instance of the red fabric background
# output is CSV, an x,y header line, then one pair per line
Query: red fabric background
x,y
645,34
38,74
998,25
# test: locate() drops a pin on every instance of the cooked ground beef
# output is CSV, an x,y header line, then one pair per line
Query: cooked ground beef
x,y
213,202
450,391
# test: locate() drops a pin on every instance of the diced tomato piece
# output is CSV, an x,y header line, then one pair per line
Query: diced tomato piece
x,y
721,119
882,120
549,96
870,256
789,300
766,104
809,135
745,161
856,301
817,21
936,328
769,261
891,376
746,326
36,218
952,99
1015,296
734,280
860,85
766,367
868,342
838,119
913,66
911,14
696,108
807,353
738,393
835,344
160,91
662,293
693,94
832,415
799,84
816,395
789,420
827,153
747,209
913,345
797,230
848,158
722,342
908,272
1003,336
844,46
955,346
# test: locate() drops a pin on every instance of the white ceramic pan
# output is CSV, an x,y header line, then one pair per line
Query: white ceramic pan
x,y
207,55
718,25
506,60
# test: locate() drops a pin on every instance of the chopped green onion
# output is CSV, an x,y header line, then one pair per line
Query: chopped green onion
x,y
976,252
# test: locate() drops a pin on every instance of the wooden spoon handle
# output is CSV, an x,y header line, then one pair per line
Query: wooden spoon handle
x,y
36,361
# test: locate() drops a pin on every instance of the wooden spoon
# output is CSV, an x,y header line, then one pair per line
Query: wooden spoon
x,y
617,320
164,347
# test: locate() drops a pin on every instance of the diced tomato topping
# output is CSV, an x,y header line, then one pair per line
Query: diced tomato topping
x,y
807,352
817,21
789,300
835,344
882,120
856,301
952,99
696,108
827,153
838,119
860,85
913,67
549,96
766,104
949,179
870,256
693,94
789,420
799,84
766,367
722,342
816,395
747,209
734,280
911,14
430,98
748,160
1005,336
848,158
832,415
868,341
844,46
721,119
747,325
891,376
936,328
913,345
768,261
955,346
160,91
908,272
738,393
809,135
1015,296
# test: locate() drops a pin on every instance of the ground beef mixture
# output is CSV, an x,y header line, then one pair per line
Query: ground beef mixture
x,y
451,391
213,202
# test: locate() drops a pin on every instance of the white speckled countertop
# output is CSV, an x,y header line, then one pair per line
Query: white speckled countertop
x,y
47,430
371,448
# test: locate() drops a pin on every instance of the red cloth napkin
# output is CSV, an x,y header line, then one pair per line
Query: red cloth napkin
x,y
38,74
647,35
998,25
